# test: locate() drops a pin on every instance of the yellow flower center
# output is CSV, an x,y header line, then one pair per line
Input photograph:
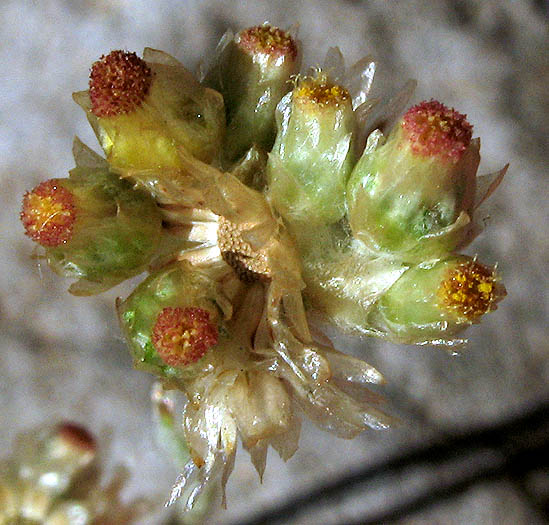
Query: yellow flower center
x,y
320,91
469,289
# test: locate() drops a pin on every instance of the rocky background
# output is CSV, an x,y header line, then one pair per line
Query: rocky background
x,y
467,448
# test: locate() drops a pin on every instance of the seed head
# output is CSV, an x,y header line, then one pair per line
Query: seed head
x,y
469,289
119,83
48,213
321,92
268,40
248,264
435,130
182,336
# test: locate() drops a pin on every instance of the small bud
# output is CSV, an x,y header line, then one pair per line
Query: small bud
x,y
93,226
182,336
252,72
312,156
119,83
433,303
414,195
49,213
72,443
171,320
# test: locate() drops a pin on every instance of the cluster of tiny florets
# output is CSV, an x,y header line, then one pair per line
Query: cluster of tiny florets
x,y
321,92
268,40
49,213
469,289
182,336
435,130
119,83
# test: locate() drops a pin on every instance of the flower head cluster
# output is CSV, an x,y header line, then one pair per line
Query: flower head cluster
x,y
241,193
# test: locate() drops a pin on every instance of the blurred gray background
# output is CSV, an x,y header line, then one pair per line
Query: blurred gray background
x,y
63,357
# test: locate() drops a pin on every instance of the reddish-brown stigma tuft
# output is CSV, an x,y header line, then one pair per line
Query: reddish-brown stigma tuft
x,y
76,436
435,130
119,83
49,213
268,40
182,336
469,289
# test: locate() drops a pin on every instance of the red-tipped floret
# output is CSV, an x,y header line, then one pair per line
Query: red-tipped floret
x,y
49,213
268,40
182,336
119,83
435,130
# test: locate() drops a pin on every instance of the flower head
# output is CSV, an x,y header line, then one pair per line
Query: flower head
x,y
92,225
431,302
182,336
413,194
119,83
252,71
267,40
49,213
313,155
470,289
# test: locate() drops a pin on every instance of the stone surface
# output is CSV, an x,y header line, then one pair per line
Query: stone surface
x,y
62,356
